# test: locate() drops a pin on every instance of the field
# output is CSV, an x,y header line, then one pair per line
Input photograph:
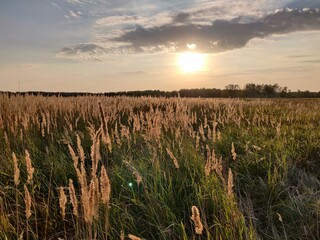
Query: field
x,y
159,168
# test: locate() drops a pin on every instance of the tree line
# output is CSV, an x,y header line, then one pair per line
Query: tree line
x,y
250,90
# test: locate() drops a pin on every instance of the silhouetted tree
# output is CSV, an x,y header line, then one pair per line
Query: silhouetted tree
x,y
232,90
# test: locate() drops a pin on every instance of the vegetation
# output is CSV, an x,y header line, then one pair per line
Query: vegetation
x,y
250,90
96,167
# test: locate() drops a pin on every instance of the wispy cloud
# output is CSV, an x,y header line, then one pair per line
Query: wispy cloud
x,y
93,52
303,4
300,56
317,61
84,1
134,20
54,4
74,14
74,1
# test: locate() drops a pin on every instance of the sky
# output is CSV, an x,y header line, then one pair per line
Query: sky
x,y
124,45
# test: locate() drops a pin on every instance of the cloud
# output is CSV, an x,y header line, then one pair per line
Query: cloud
x,y
222,35
135,20
87,52
74,14
119,20
179,33
93,52
134,73
74,1
54,4
203,14
317,61
181,17
300,4
300,56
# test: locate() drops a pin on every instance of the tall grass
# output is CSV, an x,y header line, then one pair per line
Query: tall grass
x,y
156,168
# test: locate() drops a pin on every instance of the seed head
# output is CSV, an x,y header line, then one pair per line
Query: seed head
x,y
230,183
16,169
73,198
133,237
62,202
196,220
105,187
175,161
233,152
27,201
30,169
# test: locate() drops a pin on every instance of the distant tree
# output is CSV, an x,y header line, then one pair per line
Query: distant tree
x,y
232,87
269,90
231,90
283,92
252,90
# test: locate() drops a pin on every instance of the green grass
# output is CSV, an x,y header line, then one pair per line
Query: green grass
x,y
276,178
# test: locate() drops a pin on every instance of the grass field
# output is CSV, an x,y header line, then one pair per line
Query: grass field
x,y
156,168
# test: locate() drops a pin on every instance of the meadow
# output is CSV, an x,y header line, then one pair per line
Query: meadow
x,y
94,167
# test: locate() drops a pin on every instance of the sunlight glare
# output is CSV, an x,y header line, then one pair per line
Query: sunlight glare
x,y
191,62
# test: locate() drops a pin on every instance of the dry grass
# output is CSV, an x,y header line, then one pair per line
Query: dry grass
x,y
109,157
198,227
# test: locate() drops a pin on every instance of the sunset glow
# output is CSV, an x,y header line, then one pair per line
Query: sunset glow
x,y
191,62
112,45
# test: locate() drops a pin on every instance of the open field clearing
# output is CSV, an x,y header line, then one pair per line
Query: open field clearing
x,y
157,168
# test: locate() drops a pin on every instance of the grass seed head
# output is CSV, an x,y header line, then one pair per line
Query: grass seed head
x,y
122,235
196,220
230,183
175,161
233,152
105,187
80,149
62,202
16,169
30,169
27,201
133,237
134,171
73,198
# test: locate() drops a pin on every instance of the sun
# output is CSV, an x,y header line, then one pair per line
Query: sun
x,y
191,62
